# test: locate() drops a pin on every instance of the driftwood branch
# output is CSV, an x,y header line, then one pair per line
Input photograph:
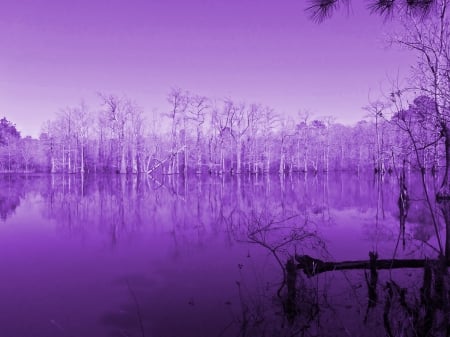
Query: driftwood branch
x,y
312,266
161,162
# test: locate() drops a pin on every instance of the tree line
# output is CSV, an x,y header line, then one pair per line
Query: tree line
x,y
198,135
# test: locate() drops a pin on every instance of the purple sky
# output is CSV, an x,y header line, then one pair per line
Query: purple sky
x,y
54,53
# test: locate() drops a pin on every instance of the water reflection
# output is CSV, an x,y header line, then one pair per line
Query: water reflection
x,y
12,189
117,204
405,309
237,256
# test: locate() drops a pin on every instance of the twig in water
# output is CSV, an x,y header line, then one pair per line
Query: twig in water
x,y
138,309
59,327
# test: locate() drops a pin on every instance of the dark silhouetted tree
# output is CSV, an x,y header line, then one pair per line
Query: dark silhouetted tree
x,y
320,10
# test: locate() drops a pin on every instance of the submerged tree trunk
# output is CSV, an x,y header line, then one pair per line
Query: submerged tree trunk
x,y
53,165
123,164
69,161
238,156
445,209
82,158
282,163
444,191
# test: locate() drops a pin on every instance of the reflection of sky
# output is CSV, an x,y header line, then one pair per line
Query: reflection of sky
x,y
55,53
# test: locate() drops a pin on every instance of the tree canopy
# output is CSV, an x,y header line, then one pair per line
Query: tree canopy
x,y
7,131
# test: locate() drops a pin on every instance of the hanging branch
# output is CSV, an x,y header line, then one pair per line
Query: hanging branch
x,y
321,10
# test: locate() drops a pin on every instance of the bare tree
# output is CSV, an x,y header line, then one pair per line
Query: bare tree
x,y
179,103
429,40
83,124
286,133
222,122
376,110
27,148
197,110
269,123
241,119
117,114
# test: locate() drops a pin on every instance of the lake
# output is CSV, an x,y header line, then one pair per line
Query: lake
x,y
116,255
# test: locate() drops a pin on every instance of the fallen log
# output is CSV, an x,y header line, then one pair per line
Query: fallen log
x,y
161,162
312,266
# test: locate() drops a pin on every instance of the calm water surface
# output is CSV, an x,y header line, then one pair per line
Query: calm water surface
x,y
137,256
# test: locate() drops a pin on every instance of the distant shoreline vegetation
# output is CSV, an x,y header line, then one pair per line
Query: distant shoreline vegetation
x,y
205,137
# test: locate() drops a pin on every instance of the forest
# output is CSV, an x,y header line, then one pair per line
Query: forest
x,y
198,135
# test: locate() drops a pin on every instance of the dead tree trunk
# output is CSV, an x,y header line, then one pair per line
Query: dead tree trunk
x,y
444,191
312,266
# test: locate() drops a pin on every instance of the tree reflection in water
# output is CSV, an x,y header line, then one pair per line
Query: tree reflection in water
x,y
12,190
286,312
405,297
305,281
